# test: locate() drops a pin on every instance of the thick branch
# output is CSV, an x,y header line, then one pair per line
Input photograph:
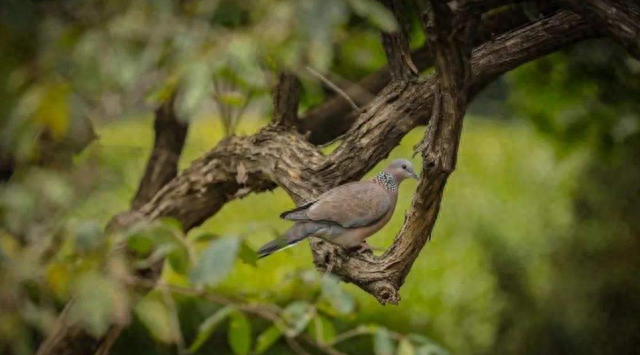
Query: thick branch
x,y
240,165
286,96
396,45
334,117
449,39
476,7
162,166
383,276
620,18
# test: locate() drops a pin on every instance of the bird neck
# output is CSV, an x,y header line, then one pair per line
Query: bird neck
x,y
387,181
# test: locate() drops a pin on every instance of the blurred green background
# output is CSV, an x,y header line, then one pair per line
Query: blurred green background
x,y
510,197
536,249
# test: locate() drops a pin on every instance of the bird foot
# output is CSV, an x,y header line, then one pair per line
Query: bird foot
x,y
361,249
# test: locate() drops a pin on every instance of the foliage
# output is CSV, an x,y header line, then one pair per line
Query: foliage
x,y
284,279
585,95
102,59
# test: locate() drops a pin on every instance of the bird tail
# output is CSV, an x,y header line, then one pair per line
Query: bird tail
x,y
295,234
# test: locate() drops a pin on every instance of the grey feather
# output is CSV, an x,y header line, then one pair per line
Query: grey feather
x,y
295,234
299,213
352,205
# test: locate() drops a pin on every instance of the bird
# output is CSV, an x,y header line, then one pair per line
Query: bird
x,y
347,214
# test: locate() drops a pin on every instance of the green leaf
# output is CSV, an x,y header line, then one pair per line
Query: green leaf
x,y
154,314
202,237
247,255
405,347
267,339
140,243
239,334
375,12
297,316
215,262
382,342
158,254
321,329
232,98
95,302
179,259
172,223
208,327
196,86
340,300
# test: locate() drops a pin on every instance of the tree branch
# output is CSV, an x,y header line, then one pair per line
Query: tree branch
x,y
162,166
396,45
383,276
477,7
286,96
450,40
272,157
275,156
333,118
232,169
620,18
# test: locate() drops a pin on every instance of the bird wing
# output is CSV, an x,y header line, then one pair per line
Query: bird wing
x,y
352,205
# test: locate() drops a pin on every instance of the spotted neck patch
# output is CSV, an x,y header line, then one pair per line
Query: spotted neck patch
x,y
387,181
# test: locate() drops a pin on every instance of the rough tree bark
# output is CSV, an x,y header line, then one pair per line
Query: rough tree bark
x,y
280,156
396,46
162,165
619,19
335,116
286,96
449,39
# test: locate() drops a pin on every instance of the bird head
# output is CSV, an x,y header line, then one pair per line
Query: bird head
x,y
401,169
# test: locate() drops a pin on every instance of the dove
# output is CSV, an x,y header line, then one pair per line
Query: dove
x,y
348,214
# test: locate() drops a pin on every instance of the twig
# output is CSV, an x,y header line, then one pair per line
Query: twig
x,y
359,331
333,86
326,348
350,334
295,346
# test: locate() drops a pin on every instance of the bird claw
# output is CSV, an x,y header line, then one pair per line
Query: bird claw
x,y
360,249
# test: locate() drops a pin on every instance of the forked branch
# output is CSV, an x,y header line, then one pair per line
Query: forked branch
x,y
335,116
450,41
383,276
286,96
162,166
396,45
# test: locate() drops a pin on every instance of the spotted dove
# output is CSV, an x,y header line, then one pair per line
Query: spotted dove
x,y
347,214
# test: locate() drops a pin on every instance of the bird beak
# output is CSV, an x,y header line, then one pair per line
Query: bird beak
x,y
414,175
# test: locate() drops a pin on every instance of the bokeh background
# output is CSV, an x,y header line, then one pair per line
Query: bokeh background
x,y
536,250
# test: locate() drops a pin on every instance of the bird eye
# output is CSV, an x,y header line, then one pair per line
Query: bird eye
x,y
404,167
